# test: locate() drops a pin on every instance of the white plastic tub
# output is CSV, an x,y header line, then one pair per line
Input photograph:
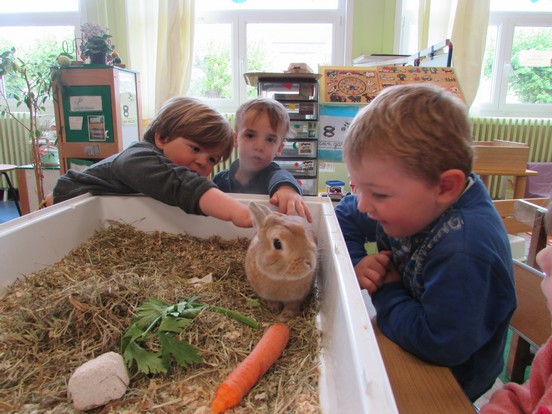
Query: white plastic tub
x,y
353,377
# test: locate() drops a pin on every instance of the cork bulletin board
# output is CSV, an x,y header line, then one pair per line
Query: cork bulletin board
x,y
359,85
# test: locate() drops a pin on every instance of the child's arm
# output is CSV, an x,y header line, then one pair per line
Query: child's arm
x,y
356,227
533,396
220,205
289,201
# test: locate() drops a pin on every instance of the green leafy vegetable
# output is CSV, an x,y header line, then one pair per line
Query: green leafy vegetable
x,y
158,324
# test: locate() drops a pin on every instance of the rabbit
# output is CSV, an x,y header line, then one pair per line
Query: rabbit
x,y
281,260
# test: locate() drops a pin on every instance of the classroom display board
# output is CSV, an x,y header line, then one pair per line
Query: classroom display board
x,y
98,112
344,90
359,85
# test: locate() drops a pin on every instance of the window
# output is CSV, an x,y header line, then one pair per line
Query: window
x,y
233,37
37,29
516,79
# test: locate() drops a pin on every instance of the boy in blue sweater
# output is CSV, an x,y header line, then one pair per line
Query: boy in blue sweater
x,y
442,280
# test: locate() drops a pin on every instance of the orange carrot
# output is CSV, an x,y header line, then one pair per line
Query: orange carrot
x,y
251,369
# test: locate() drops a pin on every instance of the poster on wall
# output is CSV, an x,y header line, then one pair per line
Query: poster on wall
x,y
348,84
333,125
96,128
360,85
400,75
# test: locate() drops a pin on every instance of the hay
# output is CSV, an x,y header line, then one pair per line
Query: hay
x,y
54,320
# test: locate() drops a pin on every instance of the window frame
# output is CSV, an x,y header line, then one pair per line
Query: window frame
x,y
506,22
38,19
340,18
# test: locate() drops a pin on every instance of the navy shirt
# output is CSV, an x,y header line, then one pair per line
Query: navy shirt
x,y
266,181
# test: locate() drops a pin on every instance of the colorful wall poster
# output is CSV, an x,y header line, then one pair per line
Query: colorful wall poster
x,y
333,125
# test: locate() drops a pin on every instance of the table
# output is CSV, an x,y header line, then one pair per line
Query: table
x,y
4,169
520,179
420,387
26,181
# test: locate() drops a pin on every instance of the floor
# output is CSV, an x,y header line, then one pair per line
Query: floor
x,y
8,211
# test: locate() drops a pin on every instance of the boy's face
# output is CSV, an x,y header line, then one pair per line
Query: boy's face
x,y
257,142
544,260
402,204
190,154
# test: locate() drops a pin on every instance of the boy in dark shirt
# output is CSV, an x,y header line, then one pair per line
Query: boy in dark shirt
x,y
261,128
181,146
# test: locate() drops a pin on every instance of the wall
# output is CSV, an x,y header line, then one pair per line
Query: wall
x,y
373,32
373,27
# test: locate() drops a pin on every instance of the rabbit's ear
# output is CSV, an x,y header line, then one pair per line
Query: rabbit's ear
x,y
260,213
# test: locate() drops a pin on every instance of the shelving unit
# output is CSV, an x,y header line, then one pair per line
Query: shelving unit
x,y
98,112
299,93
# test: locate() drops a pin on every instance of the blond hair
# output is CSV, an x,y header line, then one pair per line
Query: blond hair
x,y
194,120
423,126
276,112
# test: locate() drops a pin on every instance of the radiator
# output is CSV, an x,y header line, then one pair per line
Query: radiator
x,y
233,156
535,132
15,147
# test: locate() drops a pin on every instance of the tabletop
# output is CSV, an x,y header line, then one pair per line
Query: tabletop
x,y
7,167
420,387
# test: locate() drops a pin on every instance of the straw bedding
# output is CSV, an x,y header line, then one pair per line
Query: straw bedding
x,y
54,320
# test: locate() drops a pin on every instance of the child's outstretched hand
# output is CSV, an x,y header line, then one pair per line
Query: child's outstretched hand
x,y
217,204
290,202
240,216
374,270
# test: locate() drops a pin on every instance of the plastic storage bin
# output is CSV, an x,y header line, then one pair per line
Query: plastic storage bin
x,y
353,378
300,149
299,168
304,129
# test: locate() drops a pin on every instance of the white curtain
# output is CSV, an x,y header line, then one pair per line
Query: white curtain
x,y
465,23
155,39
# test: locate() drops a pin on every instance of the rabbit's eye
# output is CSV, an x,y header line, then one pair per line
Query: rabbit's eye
x,y
277,244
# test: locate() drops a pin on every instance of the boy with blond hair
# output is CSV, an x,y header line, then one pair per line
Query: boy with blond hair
x,y
442,281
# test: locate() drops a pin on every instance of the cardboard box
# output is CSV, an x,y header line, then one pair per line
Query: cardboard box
x,y
500,157
353,377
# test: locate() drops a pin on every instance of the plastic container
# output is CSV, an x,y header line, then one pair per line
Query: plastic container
x,y
334,189
353,377
307,149
304,168
309,186
303,129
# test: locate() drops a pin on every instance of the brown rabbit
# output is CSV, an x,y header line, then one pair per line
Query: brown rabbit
x,y
281,259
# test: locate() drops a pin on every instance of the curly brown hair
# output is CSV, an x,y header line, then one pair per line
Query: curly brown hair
x,y
194,120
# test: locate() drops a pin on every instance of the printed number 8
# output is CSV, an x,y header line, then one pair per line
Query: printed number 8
x,y
329,131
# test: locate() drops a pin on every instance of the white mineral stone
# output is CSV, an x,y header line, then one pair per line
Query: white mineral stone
x,y
98,381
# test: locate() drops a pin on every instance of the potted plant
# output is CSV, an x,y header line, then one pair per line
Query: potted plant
x,y
32,92
96,44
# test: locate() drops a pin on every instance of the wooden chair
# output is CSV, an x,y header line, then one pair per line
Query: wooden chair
x,y
531,321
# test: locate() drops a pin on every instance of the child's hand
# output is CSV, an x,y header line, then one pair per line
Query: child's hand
x,y
217,204
374,270
290,202
241,216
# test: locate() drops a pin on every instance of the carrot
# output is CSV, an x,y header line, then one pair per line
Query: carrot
x,y
251,369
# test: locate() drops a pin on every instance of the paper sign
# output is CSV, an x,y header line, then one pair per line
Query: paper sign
x,y
85,103
75,123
